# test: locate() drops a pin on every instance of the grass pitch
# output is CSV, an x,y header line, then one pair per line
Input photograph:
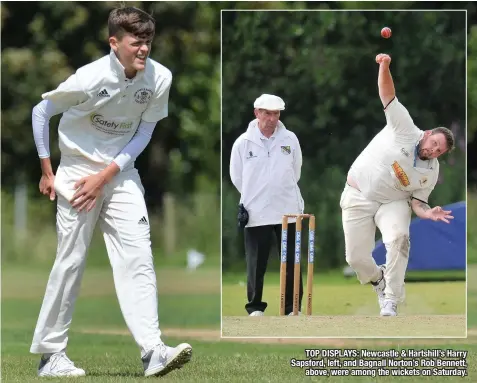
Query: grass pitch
x,y
344,308
346,326
101,344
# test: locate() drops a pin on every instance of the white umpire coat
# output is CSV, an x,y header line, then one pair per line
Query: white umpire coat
x,y
267,178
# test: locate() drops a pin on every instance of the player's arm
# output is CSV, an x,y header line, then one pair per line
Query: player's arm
x,y
41,115
420,197
297,161
69,93
129,153
420,208
424,211
236,166
397,116
132,150
385,81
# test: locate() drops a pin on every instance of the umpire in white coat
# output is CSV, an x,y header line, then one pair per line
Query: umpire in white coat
x,y
265,167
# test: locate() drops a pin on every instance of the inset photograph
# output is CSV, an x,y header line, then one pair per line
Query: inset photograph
x,y
343,174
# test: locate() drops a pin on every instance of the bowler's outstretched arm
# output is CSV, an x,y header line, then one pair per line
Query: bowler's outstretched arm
x,y
420,208
424,211
385,80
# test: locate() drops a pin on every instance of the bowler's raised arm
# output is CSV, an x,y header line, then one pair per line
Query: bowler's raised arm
x,y
385,80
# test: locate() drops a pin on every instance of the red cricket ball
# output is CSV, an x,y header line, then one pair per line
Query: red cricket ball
x,y
386,32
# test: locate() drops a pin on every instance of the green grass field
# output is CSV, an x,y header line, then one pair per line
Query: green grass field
x,y
189,312
343,307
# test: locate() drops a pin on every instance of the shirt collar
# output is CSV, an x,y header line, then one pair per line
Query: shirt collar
x,y
118,68
274,134
416,153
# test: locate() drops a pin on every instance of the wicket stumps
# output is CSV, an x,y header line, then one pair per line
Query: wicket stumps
x,y
296,273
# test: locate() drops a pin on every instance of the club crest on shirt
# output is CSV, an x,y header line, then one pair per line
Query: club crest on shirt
x,y
143,95
405,152
250,155
400,174
286,149
423,181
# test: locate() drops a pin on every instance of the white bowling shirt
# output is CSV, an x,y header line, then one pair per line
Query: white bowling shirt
x,y
266,173
102,108
389,168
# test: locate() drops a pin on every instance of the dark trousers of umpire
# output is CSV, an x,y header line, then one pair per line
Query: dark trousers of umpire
x,y
258,242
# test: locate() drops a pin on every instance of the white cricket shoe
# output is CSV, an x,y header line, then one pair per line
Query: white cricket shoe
x,y
379,287
389,308
291,314
163,359
257,314
58,365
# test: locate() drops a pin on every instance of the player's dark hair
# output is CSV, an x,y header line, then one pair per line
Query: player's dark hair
x,y
449,136
131,20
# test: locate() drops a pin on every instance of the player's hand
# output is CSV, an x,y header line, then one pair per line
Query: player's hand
x,y
437,214
383,58
46,186
88,190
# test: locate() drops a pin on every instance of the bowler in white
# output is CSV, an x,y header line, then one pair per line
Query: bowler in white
x,y
110,108
393,176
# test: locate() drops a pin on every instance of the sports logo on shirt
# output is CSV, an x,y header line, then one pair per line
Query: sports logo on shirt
x,y
110,127
286,149
250,155
142,221
143,95
400,174
103,93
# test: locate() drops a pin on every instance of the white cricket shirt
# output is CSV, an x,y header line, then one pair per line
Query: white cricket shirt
x,y
267,174
102,108
389,168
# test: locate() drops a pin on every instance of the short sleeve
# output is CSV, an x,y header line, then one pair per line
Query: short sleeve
x,y
423,194
158,107
68,94
399,119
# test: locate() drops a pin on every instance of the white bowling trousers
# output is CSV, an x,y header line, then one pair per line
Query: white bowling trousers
x,y
360,219
122,215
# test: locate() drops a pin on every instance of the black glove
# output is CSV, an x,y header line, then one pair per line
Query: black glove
x,y
242,216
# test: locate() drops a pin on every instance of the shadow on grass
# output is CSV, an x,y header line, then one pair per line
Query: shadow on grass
x,y
117,374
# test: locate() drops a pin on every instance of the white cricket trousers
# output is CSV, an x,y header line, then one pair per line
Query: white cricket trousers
x,y
360,219
122,215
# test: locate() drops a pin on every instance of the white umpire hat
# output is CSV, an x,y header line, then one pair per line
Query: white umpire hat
x,y
269,102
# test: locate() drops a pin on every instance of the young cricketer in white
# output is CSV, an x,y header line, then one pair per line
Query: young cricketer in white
x,y
395,173
110,108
